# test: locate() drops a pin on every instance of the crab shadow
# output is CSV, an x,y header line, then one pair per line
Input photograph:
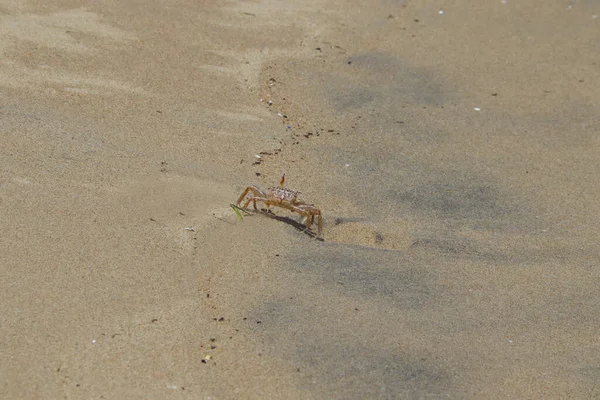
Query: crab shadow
x,y
286,220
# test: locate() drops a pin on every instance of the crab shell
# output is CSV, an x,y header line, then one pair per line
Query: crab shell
x,y
284,194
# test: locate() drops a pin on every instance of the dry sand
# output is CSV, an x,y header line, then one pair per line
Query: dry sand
x,y
455,154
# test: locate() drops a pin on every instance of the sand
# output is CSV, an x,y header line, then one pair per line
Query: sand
x,y
454,152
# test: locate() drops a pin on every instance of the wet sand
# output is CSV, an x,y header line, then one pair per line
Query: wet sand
x,y
454,153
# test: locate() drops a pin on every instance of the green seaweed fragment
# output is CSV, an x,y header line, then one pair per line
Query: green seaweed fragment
x,y
237,211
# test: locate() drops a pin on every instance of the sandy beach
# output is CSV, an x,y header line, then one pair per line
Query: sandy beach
x,y
453,149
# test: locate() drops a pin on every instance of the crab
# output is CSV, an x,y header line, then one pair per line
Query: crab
x,y
285,198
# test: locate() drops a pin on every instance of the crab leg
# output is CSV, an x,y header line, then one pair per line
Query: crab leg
x,y
255,199
257,195
310,214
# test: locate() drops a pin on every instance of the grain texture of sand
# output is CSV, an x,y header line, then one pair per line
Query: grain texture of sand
x,y
454,152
